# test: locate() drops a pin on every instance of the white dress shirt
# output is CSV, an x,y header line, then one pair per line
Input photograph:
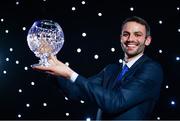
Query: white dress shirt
x,y
130,63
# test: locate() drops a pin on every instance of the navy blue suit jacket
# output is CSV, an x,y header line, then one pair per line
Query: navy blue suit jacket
x,y
133,98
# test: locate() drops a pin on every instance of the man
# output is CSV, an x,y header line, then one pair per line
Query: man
x,y
131,95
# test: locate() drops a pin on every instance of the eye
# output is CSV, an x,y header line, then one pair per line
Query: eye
x,y
138,35
125,34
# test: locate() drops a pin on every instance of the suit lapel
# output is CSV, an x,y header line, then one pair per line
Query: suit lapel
x,y
134,66
113,79
111,83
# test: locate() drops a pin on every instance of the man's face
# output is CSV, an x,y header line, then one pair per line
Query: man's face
x,y
133,38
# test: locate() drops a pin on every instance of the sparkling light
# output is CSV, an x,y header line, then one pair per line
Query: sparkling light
x,y
167,86
4,72
17,62
88,119
10,49
20,90
24,28
26,68
2,20
65,98
120,60
44,104
96,56
158,118
19,115
112,49
27,105
99,14
177,58
178,30
84,34
160,51
6,31
83,2
32,83
67,114
73,8
67,64
7,59
79,50
131,9
82,101
178,8
173,103
17,3
160,22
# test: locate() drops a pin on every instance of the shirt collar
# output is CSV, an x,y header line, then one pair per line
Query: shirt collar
x,y
130,63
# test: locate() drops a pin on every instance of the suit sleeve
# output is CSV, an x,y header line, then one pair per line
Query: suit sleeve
x,y
144,85
73,91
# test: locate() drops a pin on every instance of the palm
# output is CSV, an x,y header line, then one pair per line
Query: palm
x,y
56,68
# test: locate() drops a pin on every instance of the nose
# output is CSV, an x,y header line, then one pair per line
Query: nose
x,y
131,38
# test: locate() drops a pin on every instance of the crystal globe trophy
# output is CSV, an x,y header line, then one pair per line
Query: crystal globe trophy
x,y
45,38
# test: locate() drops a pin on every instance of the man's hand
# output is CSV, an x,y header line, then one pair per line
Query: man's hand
x,y
56,68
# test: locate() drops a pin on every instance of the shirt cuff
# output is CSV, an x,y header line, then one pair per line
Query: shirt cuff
x,y
73,77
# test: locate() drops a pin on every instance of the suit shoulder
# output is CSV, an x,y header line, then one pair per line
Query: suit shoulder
x,y
152,63
112,66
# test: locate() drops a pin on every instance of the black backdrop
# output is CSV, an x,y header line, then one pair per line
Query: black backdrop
x,y
102,34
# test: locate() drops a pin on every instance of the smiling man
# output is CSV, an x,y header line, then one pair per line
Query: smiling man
x,y
120,91
135,37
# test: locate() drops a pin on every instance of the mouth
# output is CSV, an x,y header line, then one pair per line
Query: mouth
x,y
131,45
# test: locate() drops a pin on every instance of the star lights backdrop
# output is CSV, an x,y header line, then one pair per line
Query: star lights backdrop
x,y
92,31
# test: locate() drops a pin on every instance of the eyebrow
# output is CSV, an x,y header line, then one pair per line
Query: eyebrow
x,y
136,32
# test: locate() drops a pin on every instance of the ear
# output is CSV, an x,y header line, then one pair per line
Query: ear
x,y
148,40
120,38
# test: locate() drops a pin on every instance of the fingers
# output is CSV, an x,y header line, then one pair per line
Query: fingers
x,y
51,62
49,72
54,59
43,68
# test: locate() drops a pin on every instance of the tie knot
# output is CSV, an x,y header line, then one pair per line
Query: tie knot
x,y
125,67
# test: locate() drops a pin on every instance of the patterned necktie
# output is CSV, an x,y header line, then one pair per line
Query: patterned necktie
x,y
124,70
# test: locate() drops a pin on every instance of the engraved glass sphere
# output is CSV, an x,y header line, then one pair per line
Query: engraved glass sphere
x,y
45,37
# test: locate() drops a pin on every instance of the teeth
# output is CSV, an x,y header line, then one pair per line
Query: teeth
x,y
131,45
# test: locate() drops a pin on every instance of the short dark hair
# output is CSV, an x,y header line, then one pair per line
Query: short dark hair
x,y
138,20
